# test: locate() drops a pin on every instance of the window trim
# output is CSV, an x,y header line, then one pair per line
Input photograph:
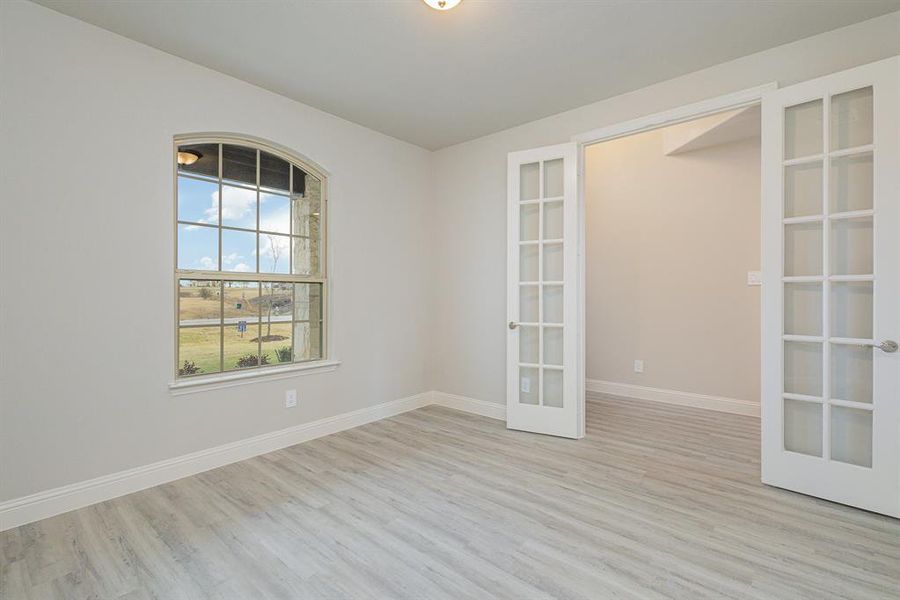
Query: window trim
x,y
224,378
216,381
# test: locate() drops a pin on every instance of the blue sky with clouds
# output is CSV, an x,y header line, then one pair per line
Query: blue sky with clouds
x,y
198,202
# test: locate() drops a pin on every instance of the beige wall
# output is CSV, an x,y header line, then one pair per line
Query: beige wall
x,y
669,242
469,325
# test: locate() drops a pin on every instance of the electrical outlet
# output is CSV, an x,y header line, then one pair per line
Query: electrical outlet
x,y
638,366
526,385
290,399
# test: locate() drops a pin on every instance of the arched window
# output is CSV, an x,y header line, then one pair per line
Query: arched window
x,y
250,260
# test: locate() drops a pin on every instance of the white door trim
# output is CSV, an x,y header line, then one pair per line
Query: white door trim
x,y
734,100
672,116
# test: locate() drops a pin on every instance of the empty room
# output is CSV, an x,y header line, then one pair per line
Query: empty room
x,y
442,299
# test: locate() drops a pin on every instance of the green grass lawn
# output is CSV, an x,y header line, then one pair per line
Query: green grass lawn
x,y
201,345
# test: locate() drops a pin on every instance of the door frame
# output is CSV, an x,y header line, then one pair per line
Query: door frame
x,y
689,112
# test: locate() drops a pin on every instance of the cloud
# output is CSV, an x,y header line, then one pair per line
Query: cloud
x,y
235,262
238,204
208,264
276,219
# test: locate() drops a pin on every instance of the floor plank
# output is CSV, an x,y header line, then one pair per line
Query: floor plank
x,y
657,501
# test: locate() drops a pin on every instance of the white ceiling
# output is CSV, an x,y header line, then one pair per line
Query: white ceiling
x,y
438,78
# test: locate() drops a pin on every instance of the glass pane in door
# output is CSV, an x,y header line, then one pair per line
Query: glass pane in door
x,y
528,262
851,435
553,220
528,303
851,184
553,346
851,373
803,368
553,178
529,222
553,303
553,387
553,262
803,308
851,246
802,249
851,119
803,427
530,181
851,309
803,190
803,130
529,344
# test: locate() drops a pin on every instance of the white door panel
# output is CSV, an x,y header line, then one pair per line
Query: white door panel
x,y
831,293
542,328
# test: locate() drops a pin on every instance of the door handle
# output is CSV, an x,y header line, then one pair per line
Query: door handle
x,y
513,324
889,346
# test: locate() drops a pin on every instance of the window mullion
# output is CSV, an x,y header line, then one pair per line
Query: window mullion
x,y
257,213
221,326
219,224
246,276
291,229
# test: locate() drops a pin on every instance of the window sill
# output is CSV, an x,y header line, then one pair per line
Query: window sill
x,y
215,382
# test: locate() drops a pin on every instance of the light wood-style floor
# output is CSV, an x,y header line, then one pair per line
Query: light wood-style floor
x,y
656,502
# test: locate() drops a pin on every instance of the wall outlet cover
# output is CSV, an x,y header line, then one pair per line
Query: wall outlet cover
x,y
754,277
290,398
638,366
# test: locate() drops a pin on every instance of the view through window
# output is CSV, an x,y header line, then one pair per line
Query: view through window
x,y
250,269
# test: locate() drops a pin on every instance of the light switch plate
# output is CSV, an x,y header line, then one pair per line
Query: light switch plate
x,y
638,366
754,277
290,398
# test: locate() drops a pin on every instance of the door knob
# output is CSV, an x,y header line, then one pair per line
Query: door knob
x,y
888,346
513,325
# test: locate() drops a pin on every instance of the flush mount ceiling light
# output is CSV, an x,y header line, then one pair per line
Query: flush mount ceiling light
x,y
188,157
442,4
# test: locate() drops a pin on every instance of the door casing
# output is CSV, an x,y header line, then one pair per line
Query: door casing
x,y
748,97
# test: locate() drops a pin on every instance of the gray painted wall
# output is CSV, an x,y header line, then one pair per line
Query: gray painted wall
x,y
470,191
87,255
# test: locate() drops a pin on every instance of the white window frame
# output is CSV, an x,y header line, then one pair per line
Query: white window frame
x,y
186,384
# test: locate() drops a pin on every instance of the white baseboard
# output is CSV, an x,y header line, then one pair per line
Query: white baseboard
x,y
41,505
718,403
470,405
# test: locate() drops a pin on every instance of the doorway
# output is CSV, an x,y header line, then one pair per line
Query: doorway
x,y
672,260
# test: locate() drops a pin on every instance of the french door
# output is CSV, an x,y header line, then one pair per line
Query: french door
x,y
543,390
831,293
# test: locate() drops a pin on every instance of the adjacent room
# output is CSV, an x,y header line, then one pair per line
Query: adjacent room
x,y
672,239
426,299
